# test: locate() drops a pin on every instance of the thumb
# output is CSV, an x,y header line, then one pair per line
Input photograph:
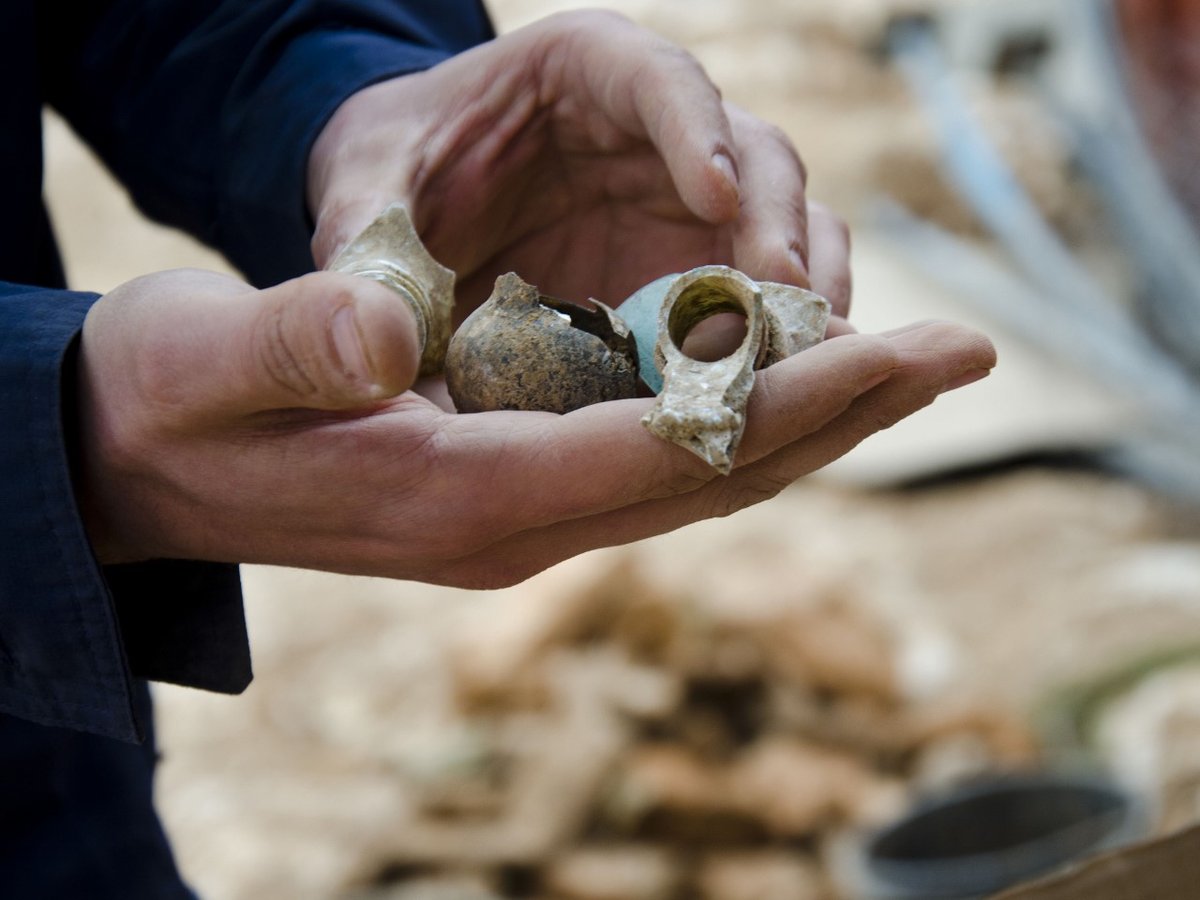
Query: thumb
x,y
322,341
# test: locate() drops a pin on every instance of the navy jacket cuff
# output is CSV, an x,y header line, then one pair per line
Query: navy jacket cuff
x,y
72,634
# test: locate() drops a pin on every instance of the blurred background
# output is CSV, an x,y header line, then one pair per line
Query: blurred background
x,y
1009,582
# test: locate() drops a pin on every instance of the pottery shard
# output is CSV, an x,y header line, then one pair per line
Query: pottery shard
x,y
390,251
702,402
796,320
521,350
702,405
619,872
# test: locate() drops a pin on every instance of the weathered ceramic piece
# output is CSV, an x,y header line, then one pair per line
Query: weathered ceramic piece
x,y
702,405
523,350
796,320
390,251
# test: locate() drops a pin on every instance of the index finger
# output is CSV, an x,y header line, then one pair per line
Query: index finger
x,y
771,237
652,88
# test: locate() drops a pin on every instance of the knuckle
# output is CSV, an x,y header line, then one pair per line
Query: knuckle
x,y
742,493
881,351
293,341
772,140
678,476
880,418
280,359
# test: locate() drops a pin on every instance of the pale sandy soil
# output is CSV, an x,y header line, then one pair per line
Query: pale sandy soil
x,y
1006,587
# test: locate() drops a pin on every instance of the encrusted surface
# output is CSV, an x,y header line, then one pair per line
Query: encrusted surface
x,y
522,350
796,320
702,405
390,251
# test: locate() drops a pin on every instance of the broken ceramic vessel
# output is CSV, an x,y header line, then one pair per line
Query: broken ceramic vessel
x,y
390,251
702,405
523,350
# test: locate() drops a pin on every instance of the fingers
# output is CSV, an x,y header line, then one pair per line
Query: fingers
x,y
650,88
771,235
686,122
554,468
929,360
329,341
829,258
323,341
781,235
935,357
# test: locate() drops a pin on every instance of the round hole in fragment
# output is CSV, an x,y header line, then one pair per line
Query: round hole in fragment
x,y
716,337
707,322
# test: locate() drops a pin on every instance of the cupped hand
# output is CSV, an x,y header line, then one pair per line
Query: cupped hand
x,y
222,423
586,154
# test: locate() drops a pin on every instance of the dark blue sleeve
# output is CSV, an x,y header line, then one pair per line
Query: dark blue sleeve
x,y
206,111
73,635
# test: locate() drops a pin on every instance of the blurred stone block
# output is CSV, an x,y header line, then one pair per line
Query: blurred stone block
x,y
761,875
619,872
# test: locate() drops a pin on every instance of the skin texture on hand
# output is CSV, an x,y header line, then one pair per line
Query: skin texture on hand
x,y
586,154
224,423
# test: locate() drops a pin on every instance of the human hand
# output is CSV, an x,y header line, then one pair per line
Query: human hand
x,y
586,154
222,423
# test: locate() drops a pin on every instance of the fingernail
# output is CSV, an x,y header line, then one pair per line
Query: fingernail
x,y
725,165
348,343
966,378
